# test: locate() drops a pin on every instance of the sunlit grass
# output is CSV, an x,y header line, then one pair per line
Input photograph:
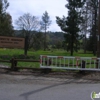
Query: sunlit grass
x,y
36,55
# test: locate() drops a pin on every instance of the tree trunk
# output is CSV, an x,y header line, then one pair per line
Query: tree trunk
x,y
72,42
26,45
95,39
85,44
45,39
85,39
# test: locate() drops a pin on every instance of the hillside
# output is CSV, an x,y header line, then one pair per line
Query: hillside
x,y
53,36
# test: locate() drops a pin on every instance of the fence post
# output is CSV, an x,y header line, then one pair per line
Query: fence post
x,y
83,66
47,70
13,64
97,63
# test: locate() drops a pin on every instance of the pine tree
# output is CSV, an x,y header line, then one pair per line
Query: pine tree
x,y
45,23
6,28
70,25
94,4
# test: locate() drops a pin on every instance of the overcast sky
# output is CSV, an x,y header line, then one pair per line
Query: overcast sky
x,y
37,7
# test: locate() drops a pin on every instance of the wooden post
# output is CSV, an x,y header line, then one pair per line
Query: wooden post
x,y
12,64
97,63
47,70
83,66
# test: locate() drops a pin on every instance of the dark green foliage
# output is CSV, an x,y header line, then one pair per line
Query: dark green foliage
x,y
70,24
37,41
55,37
94,29
45,23
59,44
92,41
6,28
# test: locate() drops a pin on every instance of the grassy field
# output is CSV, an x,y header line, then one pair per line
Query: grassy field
x,y
7,54
12,52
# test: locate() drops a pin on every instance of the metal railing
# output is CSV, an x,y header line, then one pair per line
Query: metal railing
x,y
70,63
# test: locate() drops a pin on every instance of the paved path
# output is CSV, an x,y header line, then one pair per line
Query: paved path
x,y
29,87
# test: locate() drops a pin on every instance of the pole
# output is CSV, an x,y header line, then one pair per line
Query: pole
x,y
98,35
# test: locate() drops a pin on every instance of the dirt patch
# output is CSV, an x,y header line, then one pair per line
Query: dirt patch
x,y
60,75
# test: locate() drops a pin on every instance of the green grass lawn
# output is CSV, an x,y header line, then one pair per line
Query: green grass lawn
x,y
9,53
12,52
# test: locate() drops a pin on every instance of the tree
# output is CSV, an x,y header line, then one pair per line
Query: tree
x,y
71,24
28,23
86,22
89,26
94,28
45,23
37,41
58,44
6,28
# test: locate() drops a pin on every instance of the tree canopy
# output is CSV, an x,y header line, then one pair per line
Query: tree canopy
x,y
6,28
45,23
28,23
71,24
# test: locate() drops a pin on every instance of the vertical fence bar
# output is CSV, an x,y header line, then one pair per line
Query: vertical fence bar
x,y
43,61
90,63
64,62
56,62
76,62
40,60
52,61
47,61
60,62
94,63
81,63
68,62
73,62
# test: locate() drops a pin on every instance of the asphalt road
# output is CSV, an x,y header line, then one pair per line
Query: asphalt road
x,y
47,92
19,87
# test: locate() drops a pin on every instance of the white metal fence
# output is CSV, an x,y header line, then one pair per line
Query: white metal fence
x,y
71,63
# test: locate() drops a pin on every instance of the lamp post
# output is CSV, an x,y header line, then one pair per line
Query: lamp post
x,y
98,35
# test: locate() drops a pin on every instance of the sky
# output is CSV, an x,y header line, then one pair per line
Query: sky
x,y
36,8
